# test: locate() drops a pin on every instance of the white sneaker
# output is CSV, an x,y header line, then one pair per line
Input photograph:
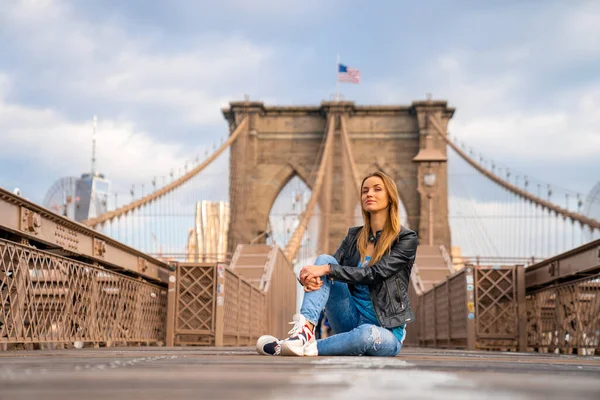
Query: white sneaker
x,y
301,339
311,350
268,345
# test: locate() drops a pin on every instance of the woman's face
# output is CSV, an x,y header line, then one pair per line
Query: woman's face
x,y
374,197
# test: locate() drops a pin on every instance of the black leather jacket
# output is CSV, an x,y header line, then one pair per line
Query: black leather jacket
x,y
387,278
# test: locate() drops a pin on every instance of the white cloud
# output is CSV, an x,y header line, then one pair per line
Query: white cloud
x,y
561,135
100,61
282,8
513,98
492,90
185,85
139,86
53,142
580,30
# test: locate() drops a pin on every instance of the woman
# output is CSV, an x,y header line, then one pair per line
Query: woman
x,y
363,287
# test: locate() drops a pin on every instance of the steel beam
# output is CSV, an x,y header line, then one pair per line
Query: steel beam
x,y
573,264
65,237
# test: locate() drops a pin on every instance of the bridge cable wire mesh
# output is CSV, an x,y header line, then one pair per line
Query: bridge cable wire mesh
x,y
591,223
291,248
137,204
482,241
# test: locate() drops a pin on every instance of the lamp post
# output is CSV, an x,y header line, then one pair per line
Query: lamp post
x,y
429,159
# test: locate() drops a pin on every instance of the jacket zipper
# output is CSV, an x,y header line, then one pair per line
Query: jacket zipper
x,y
402,306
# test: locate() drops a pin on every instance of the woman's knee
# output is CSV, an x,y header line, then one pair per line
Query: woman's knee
x,y
377,342
325,259
369,334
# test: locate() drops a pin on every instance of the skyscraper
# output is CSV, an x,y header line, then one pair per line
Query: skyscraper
x,y
91,190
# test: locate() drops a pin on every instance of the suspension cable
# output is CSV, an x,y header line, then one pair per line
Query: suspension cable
x,y
170,187
292,246
592,223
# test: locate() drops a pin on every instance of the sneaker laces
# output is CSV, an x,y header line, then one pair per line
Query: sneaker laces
x,y
299,325
297,328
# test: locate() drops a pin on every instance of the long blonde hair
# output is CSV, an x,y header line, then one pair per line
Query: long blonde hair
x,y
392,226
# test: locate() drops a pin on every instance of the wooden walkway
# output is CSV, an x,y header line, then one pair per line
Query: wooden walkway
x,y
239,373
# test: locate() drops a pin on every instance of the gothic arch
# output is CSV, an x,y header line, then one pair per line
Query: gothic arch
x,y
271,187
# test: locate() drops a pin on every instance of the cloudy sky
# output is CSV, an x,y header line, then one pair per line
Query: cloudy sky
x,y
524,77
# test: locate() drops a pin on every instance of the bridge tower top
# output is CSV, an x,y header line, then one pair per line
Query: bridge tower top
x,y
439,107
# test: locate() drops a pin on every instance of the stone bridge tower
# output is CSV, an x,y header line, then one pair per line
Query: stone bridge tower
x,y
286,141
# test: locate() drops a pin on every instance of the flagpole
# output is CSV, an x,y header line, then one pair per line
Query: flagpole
x,y
337,80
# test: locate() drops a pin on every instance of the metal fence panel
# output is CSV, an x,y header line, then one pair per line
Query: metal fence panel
x,y
442,322
195,319
496,307
565,318
231,297
215,306
51,299
281,290
413,331
476,307
457,307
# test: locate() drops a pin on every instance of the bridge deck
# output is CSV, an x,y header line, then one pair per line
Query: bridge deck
x,y
238,373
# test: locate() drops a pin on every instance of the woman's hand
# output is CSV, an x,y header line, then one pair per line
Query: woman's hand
x,y
313,285
310,276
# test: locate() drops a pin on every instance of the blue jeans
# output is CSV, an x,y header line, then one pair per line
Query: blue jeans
x,y
353,336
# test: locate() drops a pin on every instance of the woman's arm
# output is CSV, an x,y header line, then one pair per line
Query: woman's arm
x,y
402,254
318,271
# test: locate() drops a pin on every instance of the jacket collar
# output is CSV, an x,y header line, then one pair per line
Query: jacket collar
x,y
374,238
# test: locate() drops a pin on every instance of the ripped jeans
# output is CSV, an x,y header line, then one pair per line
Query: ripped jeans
x,y
353,336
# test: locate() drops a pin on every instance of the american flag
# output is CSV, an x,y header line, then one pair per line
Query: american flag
x,y
347,74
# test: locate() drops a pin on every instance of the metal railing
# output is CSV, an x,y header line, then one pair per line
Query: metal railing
x,y
192,304
47,298
493,260
22,221
565,318
442,313
475,308
210,304
62,283
281,294
244,313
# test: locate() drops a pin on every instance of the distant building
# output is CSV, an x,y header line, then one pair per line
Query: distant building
x,y
91,192
457,261
207,241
